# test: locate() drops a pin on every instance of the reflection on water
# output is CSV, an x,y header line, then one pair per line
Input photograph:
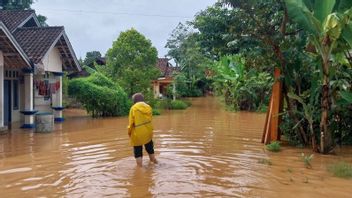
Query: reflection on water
x,y
202,152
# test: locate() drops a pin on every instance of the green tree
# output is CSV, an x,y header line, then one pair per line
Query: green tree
x,y
185,49
176,41
91,58
261,28
327,22
214,26
16,4
42,20
132,61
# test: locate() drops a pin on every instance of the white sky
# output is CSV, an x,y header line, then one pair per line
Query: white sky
x,y
95,24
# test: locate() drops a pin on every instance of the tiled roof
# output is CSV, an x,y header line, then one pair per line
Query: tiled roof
x,y
36,41
14,56
165,67
12,19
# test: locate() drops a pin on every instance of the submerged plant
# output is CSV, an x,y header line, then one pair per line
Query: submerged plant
x,y
265,161
307,159
341,169
274,146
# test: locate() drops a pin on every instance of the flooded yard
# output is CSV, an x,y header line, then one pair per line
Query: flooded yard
x,y
202,151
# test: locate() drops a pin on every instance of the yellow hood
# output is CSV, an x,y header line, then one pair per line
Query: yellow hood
x,y
142,107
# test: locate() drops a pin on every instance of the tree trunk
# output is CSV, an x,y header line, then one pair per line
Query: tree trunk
x,y
314,142
300,130
325,135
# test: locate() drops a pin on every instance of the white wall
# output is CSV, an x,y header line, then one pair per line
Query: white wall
x,y
52,62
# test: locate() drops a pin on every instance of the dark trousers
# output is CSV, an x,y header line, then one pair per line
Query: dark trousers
x,y
138,150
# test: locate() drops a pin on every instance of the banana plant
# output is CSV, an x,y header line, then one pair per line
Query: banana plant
x,y
327,22
309,110
347,96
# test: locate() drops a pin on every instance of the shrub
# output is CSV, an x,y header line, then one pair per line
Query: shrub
x,y
156,112
100,96
341,169
178,104
274,146
172,104
188,102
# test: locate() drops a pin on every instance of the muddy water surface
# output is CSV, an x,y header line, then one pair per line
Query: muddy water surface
x,y
202,151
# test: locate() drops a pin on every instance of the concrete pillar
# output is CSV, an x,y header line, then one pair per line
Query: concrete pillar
x,y
28,111
173,90
1,91
157,89
57,100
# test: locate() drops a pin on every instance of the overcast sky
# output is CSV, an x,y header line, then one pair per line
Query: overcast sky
x,y
95,24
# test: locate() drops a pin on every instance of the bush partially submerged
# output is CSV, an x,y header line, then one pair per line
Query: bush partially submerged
x,y
274,146
172,104
178,104
100,96
341,169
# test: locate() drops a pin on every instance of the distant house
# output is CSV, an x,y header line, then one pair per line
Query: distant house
x,y
32,62
166,78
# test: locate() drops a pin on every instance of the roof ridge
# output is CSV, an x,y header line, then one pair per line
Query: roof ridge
x,y
28,10
46,27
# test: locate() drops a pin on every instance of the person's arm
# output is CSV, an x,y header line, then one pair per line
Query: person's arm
x,y
130,122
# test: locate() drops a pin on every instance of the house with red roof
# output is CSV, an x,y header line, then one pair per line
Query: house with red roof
x,y
33,60
166,78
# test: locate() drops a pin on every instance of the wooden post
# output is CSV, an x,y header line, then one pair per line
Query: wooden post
x,y
273,119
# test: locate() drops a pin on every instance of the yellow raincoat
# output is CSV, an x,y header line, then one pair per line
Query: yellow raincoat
x,y
140,128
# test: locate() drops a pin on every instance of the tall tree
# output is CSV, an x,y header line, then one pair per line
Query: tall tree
x,y
176,40
91,58
266,23
132,60
16,4
214,25
185,49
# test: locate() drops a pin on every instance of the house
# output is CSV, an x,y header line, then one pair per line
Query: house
x,y
33,60
166,78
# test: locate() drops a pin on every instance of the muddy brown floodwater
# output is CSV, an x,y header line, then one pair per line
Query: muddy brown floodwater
x,y
203,151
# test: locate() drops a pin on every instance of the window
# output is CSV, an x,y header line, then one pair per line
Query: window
x,y
15,95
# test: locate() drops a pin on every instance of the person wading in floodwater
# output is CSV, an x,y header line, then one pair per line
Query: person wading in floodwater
x,y
140,129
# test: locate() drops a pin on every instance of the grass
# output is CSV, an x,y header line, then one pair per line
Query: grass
x,y
307,160
274,146
265,161
341,169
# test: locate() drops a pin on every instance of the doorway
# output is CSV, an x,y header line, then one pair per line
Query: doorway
x,y
7,102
